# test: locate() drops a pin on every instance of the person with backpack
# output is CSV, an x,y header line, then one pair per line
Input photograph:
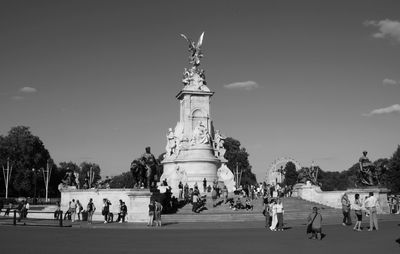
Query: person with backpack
x,y
314,225
106,209
157,213
90,208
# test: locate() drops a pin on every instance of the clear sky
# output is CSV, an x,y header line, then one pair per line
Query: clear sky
x,y
96,80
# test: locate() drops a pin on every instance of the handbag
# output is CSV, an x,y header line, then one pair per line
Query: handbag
x,y
309,226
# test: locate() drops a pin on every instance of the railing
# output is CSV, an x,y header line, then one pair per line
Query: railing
x,y
13,216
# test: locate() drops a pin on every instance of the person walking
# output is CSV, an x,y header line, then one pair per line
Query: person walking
x,y
346,210
90,208
314,225
358,212
279,214
371,204
157,213
152,208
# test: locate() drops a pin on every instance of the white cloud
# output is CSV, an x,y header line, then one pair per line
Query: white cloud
x,y
381,111
388,81
28,89
387,29
246,85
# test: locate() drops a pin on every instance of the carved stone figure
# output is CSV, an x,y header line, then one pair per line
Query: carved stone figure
x,y
370,174
218,144
171,143
200,135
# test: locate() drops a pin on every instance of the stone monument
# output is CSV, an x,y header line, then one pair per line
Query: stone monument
x,y
194,150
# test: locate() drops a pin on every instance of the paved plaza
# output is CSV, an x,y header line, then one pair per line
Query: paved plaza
x,y
196,238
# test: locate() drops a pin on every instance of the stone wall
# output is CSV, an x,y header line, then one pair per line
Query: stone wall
x,y
137,201
333,198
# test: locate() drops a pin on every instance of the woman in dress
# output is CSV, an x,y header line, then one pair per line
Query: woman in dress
x,y
274,216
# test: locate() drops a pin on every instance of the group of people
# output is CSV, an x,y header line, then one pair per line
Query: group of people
x,y
22,209
75,210
273,212
155,210
369,207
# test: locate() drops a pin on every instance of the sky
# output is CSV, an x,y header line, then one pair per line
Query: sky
x,y
311,80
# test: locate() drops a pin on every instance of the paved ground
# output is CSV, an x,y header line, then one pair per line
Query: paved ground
x,y
192,238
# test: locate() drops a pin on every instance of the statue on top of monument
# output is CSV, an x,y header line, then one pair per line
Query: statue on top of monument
x,y
195,50
194,77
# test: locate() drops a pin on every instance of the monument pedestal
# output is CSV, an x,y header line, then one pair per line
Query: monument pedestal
x,y
137,201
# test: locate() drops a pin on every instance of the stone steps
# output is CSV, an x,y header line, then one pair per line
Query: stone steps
x,y
295,209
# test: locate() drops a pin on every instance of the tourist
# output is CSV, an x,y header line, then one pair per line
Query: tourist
x,y
7,212
157,213
274,216
26,208
214,197
279,214
371,204
186,192
79,209
346,210
57,212
225,194
106,209
67,214
248,204
180,187
72,209
151,213
204,185
357,211
267,214
122,212
314,225
90,208
195,200
20,211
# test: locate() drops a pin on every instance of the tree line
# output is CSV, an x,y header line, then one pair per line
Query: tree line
x,y
28,157
346,179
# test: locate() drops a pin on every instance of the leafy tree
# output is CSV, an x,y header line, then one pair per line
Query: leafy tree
x,y
85,169
26,152
290,174
124,180
238,157
393,179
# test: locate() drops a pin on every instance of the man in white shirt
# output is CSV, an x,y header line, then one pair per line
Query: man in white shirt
x,y
371,204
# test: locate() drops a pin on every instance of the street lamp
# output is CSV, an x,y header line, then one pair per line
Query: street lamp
x,y
7,175
46,177
34,184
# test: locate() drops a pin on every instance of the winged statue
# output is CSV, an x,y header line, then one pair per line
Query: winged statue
x,y
195,49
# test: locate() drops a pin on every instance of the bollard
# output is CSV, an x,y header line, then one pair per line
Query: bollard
x,y
60,214
15,218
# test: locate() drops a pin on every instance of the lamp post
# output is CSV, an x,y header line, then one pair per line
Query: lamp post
x,y
46,177
7,175
34,184
91,177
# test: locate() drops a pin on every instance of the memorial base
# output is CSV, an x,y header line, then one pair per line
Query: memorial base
x,y
137,201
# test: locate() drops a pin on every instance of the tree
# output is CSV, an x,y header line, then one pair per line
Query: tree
x,y
124,180
393,174
26,152
238,157
85,169
290,174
